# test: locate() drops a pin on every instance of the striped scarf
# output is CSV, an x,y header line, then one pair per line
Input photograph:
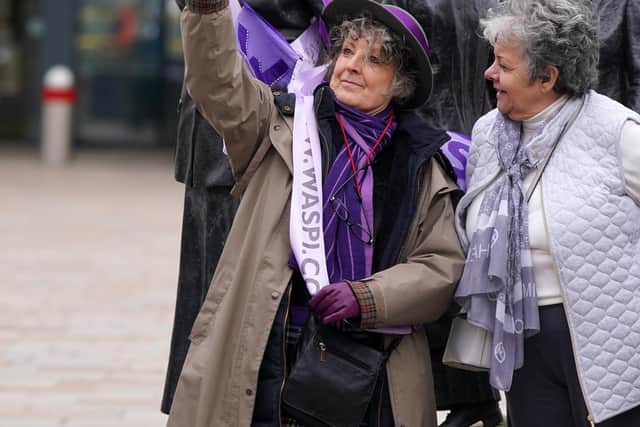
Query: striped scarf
x,y
347,217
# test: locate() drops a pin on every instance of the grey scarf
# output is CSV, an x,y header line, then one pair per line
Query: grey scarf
x,y
497,288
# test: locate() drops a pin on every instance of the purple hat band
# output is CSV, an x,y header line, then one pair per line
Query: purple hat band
x,y
410,24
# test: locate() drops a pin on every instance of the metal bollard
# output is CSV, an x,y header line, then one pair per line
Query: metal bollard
x,y
58,98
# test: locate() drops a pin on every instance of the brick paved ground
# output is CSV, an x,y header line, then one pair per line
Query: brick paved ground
x,y
88,269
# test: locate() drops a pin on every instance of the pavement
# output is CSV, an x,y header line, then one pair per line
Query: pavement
x,y
88,271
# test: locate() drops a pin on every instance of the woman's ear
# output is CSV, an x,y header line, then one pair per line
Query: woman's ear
x,y
550,79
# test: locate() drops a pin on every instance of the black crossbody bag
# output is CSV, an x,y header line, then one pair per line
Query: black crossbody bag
x,y
332,382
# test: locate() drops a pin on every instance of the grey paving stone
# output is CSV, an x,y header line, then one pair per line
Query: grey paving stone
x,y
88,268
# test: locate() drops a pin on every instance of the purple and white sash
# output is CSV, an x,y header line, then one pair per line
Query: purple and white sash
x,y
306,230
275,62
278,63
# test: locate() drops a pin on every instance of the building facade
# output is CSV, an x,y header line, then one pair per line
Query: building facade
x,y
126,58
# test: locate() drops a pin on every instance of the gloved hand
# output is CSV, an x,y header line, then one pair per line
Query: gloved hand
x,y
335,302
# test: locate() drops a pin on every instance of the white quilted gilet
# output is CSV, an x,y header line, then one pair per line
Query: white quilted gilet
x,y
594,229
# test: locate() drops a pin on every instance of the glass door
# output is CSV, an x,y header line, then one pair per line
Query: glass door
x,y
119,61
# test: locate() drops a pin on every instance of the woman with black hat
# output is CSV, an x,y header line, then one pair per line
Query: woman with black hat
x,y
347,201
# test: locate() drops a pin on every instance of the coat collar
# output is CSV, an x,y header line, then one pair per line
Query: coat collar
x,y
414,143
421,138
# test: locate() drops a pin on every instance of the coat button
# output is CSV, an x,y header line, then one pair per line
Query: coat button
x,y
276,127
248,392
275,295
287,108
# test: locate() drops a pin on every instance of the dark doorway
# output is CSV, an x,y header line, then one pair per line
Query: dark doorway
x,y
126,72
19,29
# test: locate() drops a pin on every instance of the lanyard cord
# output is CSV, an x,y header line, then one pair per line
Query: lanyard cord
x,y
351,160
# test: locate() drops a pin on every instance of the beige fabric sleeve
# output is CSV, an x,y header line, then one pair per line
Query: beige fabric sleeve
x,y
225,92
630,153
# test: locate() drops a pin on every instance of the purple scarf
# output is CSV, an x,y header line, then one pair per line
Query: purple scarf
x,y
347,217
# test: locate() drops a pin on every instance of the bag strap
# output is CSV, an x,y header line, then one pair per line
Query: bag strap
x,y
565,128
394,344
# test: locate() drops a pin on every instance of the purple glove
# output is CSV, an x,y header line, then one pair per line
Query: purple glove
x,y
335,302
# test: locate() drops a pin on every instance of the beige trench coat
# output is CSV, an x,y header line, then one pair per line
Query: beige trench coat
x,y
218,382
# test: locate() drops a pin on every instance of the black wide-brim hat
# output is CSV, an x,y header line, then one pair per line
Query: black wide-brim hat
x,y
402,23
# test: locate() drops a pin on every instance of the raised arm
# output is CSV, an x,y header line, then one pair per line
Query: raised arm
x,y
225,92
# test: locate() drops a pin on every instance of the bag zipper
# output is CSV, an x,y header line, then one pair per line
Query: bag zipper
x,y
284,353
324,348
323,351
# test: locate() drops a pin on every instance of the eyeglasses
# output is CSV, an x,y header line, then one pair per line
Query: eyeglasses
x,y
360,232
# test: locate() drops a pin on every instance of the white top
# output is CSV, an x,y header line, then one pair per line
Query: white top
x,y
544,268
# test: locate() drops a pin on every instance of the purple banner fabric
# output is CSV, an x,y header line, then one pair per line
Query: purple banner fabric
x,y
267,52
456,151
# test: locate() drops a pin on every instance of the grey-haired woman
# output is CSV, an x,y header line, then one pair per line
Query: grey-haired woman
x,y
553,266
385,218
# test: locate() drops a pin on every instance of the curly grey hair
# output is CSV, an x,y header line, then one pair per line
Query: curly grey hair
x,y
393,50
552,32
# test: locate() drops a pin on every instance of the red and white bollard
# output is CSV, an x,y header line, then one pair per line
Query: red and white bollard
x,y
58,98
